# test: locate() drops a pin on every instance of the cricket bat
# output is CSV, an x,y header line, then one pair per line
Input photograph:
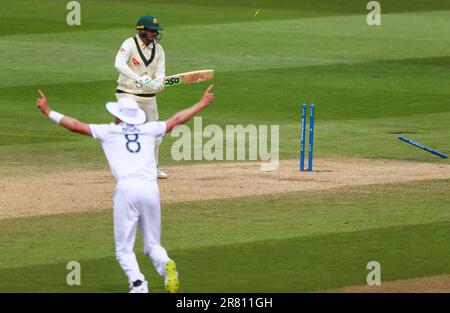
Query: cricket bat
x,y
189,77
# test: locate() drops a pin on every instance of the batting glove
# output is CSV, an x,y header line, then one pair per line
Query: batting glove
x,y
143,81
156,85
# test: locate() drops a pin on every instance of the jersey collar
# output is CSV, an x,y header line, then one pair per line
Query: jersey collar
x,y
142,44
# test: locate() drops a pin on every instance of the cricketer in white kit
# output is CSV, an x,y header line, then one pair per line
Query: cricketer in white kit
x,y
141,65
128,145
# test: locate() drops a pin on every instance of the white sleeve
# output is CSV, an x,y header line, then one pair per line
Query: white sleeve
x,y
122,58
157,129
100,131
161,67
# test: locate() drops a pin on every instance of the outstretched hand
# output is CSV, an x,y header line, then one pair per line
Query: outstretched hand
x,y
42,103
185,115
208,96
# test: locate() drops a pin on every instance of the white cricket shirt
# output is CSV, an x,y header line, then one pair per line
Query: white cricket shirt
x,y
130,149
134,59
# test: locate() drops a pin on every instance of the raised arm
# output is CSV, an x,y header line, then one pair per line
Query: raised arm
x,y
185,115
65,121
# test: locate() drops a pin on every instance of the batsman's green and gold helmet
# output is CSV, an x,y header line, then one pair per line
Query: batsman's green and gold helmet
x,y
148,22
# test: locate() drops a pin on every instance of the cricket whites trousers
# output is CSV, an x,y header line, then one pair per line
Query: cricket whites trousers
x,y
137,202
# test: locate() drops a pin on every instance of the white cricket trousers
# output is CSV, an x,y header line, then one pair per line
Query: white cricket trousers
x,y
137,202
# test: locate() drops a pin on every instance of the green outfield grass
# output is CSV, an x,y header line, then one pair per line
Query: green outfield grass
x,y
369,83
283,243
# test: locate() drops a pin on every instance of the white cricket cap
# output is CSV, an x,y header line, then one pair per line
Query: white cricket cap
x,y
127,110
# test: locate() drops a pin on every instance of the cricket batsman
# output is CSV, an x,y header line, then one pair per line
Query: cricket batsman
x,y
142,67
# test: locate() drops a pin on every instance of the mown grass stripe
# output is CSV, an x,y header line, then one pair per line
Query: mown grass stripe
x,y
284,265
229,221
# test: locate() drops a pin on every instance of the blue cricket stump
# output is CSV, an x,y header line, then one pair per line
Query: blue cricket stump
x,y
415,143
302,139
311,139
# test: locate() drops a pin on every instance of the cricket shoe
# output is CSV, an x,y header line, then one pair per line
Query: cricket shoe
x,y
161,174
139,286
171,281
